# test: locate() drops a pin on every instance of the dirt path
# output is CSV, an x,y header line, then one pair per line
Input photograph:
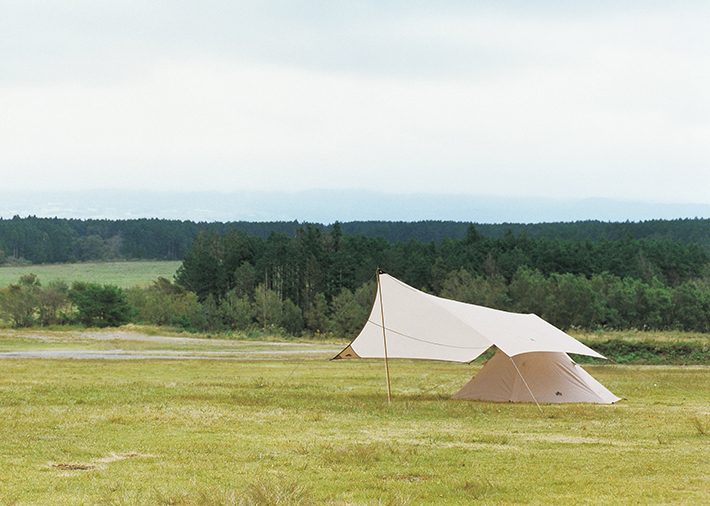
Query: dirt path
x,y
229,349
136,336
160,355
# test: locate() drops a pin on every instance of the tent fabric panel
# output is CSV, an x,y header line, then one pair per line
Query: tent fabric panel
x,y
552,378
371,345
600,390
515,333
438,336
494,382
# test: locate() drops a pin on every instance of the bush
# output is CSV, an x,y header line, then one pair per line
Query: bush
x,y
100,305
164,303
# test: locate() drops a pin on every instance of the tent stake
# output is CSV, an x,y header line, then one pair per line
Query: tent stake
x,y
384,339
526,385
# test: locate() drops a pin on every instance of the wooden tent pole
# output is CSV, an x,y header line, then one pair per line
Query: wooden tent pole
x,y
384,339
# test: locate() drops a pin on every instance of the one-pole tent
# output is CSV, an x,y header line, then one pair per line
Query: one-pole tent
x,y
532,363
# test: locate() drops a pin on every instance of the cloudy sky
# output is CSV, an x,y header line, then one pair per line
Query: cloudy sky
x,y
513,98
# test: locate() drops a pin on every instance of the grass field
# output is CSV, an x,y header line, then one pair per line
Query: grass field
x,y
299,429
122,274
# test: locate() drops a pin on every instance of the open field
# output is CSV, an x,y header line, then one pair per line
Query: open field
x,y
297,429
122,274
666,336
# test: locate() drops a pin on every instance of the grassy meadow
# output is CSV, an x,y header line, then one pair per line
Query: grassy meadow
x,y
299,429
122,274
246,422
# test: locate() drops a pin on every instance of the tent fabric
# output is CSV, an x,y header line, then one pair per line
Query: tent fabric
x,y
418,325
551,377
422,326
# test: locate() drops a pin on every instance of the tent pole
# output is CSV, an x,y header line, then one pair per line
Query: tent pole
x,y
384,339
526,385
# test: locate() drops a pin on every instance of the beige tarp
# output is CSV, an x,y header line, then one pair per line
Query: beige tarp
x,y
422,326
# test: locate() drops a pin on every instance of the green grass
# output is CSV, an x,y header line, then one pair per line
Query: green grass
x,y
122,274
294,431
648,347
633,336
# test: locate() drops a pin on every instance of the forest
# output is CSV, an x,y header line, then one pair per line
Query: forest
x,y
324,280
36,240
317,280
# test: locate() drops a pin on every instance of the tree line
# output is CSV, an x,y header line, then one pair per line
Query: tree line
x,y
321,281
317,279
58,240
28,303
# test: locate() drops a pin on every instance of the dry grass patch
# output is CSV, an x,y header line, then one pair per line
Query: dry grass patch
x,y
268,491
74,467
701,425
99,463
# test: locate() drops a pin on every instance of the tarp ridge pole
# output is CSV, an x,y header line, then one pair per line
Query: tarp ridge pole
x,y
526,385
384,340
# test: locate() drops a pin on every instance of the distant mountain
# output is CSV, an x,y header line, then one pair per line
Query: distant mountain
x,y
328,206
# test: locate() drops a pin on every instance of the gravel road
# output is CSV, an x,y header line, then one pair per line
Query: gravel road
x,y
238,350
132,355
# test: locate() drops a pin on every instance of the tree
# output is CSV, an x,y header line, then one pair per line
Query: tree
x,y
244,280
461,286
202,271
237,311
100,305
19,302
292,318
268,307
316,315
528,291
237,251
571,302
164,303
310,262
691,308
53,302
349,316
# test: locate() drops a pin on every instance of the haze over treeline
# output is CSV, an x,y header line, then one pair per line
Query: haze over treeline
x,y
327,206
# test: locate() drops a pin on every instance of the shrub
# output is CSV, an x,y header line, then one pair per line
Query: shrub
x,y
100,305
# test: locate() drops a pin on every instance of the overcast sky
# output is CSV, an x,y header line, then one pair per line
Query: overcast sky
x,y
513,98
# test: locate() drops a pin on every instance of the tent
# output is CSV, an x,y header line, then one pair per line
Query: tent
x,y
532,363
